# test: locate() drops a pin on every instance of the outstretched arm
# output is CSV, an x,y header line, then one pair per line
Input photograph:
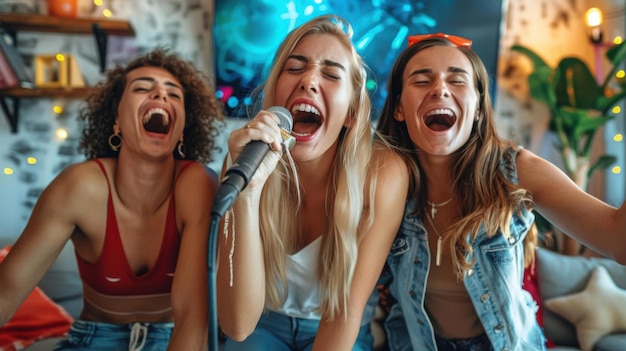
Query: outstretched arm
x,y
578,214
390,198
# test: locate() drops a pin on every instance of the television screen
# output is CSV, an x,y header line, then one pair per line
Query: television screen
x,y
248,32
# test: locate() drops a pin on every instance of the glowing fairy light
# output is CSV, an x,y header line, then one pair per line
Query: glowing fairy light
x,y
57,109
61,134
31,160
8,170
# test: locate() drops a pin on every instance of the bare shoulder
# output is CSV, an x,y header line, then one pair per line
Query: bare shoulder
x,y
195,177
535,172
195,170
387,162
82,178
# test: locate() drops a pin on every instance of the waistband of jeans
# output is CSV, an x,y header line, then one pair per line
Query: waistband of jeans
x,y
123,327
478,343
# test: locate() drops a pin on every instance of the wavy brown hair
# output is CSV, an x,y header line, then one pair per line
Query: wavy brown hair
x,y
203,110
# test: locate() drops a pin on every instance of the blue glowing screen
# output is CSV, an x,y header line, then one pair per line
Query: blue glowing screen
x,y
248,32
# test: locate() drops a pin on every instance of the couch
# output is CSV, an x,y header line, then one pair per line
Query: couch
x,y
563,281
581,301
61,284
558,276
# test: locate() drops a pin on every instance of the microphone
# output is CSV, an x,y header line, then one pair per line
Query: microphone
x,y
239,174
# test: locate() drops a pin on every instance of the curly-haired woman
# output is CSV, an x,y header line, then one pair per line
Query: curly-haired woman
x,y
137,212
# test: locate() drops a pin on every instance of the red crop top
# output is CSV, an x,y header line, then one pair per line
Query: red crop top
x,y
112,275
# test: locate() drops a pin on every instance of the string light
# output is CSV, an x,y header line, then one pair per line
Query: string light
x,y
61,133
8,170
31,160
616,170
58,109
618,137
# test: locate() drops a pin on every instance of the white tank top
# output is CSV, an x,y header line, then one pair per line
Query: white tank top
x,y
303,297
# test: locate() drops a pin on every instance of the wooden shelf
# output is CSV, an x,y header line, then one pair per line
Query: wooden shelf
x,y
69,92
37,23
100,28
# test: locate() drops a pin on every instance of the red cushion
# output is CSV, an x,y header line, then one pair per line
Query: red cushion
x,y
531,284
37,318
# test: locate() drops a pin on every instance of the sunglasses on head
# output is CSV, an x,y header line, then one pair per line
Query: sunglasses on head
x,y
455,40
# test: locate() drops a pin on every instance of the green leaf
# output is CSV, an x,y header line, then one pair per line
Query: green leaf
x,y
617,55
537,61
576,86
590,124
604,104
602,163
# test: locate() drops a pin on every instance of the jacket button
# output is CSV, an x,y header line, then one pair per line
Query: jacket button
x,y
470,272
498,329
484,297
511,240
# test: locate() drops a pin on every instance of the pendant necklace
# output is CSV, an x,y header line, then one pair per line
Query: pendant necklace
x,y
434,206
439,241
433,212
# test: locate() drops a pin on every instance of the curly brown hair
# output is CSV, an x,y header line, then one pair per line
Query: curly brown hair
x,y
202,108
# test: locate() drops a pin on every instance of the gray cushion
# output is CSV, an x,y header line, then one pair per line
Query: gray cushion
x,y
562,275
613,342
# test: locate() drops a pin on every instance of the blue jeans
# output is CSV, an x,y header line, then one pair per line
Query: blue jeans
x,y
87,335
277,332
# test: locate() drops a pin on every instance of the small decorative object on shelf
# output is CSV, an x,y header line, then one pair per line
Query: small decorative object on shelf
x,y
55,71
62,8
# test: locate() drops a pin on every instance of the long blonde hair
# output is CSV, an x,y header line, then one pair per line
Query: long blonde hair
x,y
345,199
486,196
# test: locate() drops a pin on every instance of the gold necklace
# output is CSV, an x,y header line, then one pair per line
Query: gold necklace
x,y
434,206
439,240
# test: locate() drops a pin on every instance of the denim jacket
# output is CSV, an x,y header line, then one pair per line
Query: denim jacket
x,y
494,283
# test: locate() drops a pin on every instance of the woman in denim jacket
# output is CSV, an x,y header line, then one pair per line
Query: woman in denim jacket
x,y
458,260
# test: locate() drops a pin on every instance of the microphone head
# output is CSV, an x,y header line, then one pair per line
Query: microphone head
x,y
286,121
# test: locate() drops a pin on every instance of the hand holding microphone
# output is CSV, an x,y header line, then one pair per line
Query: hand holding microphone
x,y
238,176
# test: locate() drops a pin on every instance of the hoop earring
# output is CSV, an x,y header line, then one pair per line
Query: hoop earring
x,y
115,141
181,149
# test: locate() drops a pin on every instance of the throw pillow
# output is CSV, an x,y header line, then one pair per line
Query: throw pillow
x,y
531,284
38,317
561,275
595,311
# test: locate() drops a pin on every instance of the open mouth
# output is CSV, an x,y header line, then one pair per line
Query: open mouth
x,y
306,120
156,120
440,119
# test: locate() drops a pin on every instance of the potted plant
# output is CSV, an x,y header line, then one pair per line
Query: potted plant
x,y
579,105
